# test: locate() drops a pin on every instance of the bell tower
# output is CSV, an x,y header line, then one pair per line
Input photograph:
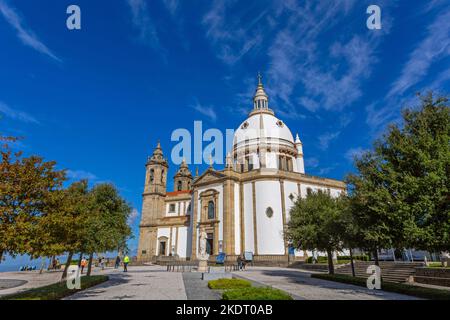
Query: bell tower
x,y
156,173
183,178
153,203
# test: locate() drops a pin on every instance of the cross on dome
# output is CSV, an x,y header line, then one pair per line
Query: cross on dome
x,y
261,99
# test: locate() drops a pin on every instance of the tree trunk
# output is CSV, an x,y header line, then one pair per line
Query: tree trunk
x,y
91,256
79,260
42,265
69,260
375,255
352,263
1,256
330,261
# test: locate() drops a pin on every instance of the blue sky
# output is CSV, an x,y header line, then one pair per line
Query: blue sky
x,y
96,100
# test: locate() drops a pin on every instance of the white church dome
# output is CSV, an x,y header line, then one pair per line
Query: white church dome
x,y
262,126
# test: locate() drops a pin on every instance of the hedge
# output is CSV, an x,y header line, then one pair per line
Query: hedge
x,y
228,284
256,293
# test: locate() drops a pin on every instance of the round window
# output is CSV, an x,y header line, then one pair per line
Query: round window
x,y
269,212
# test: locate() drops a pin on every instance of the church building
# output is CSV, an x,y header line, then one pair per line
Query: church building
x,y
243,207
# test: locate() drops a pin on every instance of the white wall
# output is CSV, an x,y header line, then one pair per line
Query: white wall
x,y
248,218
182,245
174,213
237,220
269,230
289,188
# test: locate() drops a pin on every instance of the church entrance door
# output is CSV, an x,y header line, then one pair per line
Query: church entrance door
x,y
162,248
210,243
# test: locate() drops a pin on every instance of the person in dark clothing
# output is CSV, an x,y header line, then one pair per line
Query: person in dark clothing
x,y
116,266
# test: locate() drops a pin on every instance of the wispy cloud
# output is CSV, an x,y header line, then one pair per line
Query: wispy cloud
x,y
311,162
172,6
142,21
26,35
232,34
326,138
434,47
133,217
81,175
354,152
16,114
207,111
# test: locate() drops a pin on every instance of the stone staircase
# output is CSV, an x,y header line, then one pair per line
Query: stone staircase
x,y
390,271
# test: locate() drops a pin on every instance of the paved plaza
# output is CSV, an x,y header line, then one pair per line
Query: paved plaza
x,y
301,286
155,283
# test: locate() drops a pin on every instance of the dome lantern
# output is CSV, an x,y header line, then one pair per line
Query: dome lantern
x,y
260,99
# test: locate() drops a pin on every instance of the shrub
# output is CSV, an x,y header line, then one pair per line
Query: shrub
x,y
228,284
256,293
416,291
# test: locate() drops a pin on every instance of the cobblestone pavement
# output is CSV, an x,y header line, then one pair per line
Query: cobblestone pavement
x,y
197,289
302,286
139,283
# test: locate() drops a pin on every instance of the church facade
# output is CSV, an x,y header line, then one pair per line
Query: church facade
x,y
243,207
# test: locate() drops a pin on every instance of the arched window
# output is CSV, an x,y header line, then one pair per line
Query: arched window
x,y
152,175
211,210
179,185
162,176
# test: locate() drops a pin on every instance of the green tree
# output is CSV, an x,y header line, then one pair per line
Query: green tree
x,y
400,195
27,185
62,228
316,223
106,227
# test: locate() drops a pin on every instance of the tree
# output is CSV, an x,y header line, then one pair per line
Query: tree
x,y
106,227
62,228
400,195
26,187
315,223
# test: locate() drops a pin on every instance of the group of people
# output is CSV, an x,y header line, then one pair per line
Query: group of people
x,y
101,263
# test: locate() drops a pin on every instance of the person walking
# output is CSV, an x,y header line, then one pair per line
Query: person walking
x,y
83,264
102,263
116,266
239,262
126,260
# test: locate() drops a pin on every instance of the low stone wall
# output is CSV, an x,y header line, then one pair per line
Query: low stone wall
x,y
433,276
323,267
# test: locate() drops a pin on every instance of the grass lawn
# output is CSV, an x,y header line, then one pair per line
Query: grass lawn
x,y
223,284
416,291
240,289
55,291
437,265
255,293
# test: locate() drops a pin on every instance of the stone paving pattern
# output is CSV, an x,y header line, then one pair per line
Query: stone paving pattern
x,y
155,283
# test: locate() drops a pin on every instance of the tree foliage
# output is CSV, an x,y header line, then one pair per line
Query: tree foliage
x,y
26,188
316,223
400,195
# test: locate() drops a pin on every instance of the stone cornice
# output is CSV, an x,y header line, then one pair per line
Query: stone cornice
x,y
168,222
274,174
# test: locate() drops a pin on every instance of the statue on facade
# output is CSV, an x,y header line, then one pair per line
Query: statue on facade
x,y
202,247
